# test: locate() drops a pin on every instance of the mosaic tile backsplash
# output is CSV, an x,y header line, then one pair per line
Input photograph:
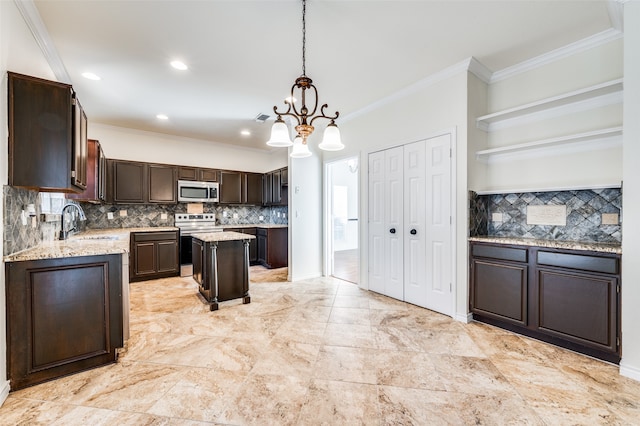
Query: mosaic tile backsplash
x,y
18,237
151,215
584,213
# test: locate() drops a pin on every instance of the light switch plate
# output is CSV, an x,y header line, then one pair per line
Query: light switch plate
x,y
610,218
110,215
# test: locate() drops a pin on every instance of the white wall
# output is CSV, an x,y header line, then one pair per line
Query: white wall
x,y
630,363
593,164
426,112
139,145
18,53
305,216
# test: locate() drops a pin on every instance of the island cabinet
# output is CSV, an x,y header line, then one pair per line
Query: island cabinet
x,y
154,255
570,298
240,188
272,246
47,135
253,244
197,174
222,267
63,316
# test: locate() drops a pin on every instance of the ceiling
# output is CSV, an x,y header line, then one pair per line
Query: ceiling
x,y
243,56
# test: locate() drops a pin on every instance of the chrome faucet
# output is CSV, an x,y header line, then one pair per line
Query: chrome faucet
x,y
64,232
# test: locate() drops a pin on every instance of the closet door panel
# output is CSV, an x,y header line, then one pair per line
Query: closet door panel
x,y
394,195
377,226
415,289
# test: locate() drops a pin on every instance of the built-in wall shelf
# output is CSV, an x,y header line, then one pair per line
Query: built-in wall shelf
x,y
607,88
561,140
549,189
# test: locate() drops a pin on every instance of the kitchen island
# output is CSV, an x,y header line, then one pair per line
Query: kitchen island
x,y
221,266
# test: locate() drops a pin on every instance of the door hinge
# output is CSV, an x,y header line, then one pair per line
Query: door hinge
x,y
450,152
617,341
618,288
73,173
450,287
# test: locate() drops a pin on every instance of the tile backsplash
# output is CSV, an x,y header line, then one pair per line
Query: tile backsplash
x,y
583,223
18,237
151,215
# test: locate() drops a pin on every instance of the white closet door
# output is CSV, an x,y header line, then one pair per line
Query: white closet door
x,y
439,296
377,227
415,289
394,281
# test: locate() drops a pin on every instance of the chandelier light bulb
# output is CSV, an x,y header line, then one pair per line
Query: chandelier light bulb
x,y
279,135
300,149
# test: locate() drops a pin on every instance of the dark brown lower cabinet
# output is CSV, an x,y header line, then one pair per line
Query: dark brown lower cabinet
x,y
272,247
570,298
253,243
154,255
63,316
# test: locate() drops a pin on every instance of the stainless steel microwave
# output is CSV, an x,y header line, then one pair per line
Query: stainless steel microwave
x,y
197,192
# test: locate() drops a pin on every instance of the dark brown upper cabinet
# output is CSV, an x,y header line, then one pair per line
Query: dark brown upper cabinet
x,y
96,175
47,135
132,182
275,188
197,174
240,187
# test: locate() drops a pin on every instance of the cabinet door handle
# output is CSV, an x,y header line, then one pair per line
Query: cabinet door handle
x,y
413,232
392,230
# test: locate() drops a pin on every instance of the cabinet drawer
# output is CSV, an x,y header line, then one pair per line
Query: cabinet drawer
x,y
606,265
504,253
155,236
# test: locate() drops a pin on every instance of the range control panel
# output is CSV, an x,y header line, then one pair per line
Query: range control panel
x,y
185,217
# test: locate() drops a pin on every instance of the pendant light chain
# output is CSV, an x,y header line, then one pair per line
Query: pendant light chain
x,y
304,37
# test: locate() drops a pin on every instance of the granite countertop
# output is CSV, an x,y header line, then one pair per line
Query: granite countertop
x,y
223,236
570,245
253,225
92,242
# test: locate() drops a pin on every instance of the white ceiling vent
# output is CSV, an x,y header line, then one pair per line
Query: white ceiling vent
x,y
261,118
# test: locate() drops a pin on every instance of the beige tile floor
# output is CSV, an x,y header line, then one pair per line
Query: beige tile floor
x,y
324,352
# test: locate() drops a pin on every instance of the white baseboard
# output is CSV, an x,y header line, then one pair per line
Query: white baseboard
x,y
465,318
629,371
4,393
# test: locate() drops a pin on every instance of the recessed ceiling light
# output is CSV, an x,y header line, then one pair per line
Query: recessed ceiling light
x,y
90,76
245,132
179,65
162,117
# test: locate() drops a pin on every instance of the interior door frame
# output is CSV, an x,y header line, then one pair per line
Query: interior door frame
x,y
326,216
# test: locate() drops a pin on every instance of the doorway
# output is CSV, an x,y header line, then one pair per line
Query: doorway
x,y
342,222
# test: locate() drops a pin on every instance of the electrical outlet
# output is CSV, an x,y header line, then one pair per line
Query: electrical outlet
x,y
278,214
123,213
224,214
260,217
110,215
235,215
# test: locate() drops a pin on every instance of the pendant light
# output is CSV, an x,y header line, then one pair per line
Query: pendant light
x,y
304,116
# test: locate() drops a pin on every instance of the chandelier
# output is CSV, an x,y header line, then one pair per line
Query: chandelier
x,y
304,116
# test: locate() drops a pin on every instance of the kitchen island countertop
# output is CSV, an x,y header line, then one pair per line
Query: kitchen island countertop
x,y
91,242
570,245
212,237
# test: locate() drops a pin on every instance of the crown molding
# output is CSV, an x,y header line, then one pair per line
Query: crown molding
x,y
33,20
563,52
468,65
